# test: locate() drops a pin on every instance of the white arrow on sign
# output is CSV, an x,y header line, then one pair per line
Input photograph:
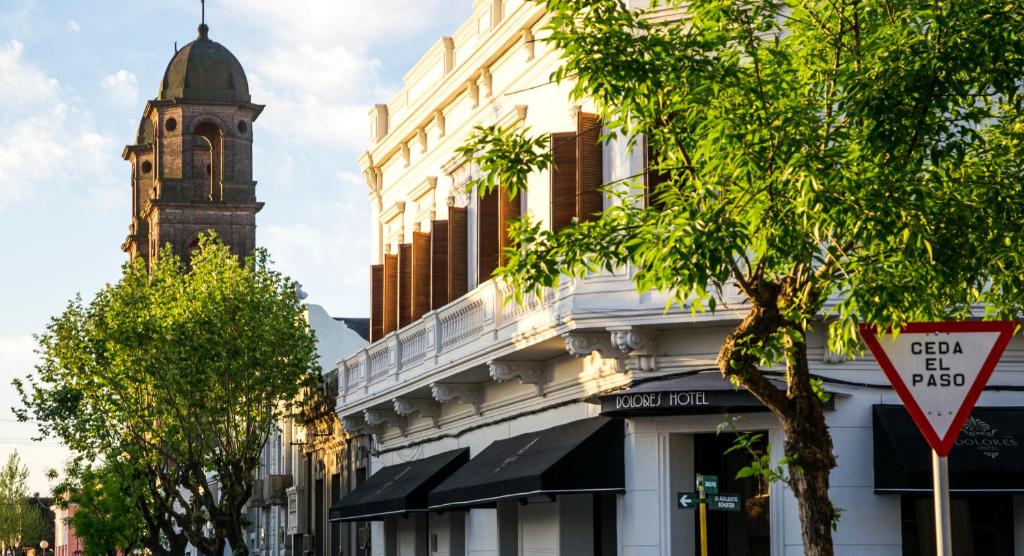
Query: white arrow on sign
x,y
939,370
684,501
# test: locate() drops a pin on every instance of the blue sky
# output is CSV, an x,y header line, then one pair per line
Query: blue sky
x,y
74,78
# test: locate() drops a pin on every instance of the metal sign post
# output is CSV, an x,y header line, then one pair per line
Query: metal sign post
x,y
943,524
939,369
703,516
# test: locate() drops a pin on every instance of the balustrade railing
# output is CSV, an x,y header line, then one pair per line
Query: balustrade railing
x,y
462,322
413,343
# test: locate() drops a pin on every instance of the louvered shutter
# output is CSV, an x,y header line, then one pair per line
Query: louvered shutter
x,y
653,178
563,180
509,210
404,285
420,274
488,228
376,302
589,167
390,305
458,253
438,264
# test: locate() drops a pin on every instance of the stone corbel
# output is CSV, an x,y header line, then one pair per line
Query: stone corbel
x,y
582,344
439,122
521,110
639,345
528,42
358,425
381,417
488,80
421,136
414,406
406,155
463,393
528,372
474,92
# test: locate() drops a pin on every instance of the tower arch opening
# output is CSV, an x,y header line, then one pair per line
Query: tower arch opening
x,y
208,148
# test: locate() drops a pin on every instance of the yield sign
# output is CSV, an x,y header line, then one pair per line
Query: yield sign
x,y
939,370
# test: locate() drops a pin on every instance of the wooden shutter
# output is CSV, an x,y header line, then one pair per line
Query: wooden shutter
x,y
458,253
509,210
487,232
390,305
420,274
653,179
563,180
376,302
589,167
404,285
438,264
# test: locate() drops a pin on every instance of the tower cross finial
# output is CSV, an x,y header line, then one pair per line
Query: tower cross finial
x,y
203,8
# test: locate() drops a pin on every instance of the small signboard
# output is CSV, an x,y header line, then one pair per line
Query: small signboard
x,y
709,482
725,502
687,500
939,370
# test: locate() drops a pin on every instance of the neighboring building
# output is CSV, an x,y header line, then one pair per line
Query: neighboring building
x,y
65,541
567,425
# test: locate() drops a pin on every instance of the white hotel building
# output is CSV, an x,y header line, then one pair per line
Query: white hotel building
x,y
568,425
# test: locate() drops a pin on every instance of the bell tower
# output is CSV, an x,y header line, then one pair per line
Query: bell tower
x,y
192,157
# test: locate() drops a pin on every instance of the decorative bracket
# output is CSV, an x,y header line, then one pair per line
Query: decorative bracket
x,y
464,393
639,346
582,344
423,407
528,372
380,417
357,424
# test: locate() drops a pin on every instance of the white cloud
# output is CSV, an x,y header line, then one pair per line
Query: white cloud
x,y
122,87
74,26
47,143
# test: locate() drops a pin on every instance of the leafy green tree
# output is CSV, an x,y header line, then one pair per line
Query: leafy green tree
x,y
107,516
18,520
835,162
178,373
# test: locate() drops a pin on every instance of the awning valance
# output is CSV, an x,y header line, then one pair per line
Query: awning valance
x,y
578,457
691,394
988,456
398,489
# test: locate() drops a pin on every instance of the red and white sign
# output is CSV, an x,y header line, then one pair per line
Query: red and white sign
x,y
939,370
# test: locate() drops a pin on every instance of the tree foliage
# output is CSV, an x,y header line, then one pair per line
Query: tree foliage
x,y
839,162
107,518
178,374
20,522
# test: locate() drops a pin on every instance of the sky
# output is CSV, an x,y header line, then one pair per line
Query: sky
x,y
74,78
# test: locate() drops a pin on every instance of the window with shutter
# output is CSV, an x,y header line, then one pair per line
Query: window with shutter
x,y
390,305
404,285
376,302
458,253
420,274
563,180
589,167
488,228
438,264
509,210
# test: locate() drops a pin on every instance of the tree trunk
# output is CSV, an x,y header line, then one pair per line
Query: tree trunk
x,y
808,445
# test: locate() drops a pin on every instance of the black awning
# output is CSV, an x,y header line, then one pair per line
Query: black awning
x,y
578,457
988,456
398,489
692,394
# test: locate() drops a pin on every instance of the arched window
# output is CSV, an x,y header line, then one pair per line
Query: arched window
x,y
209,140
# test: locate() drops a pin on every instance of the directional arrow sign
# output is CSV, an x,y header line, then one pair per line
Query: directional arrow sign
x,y
688,500
939,370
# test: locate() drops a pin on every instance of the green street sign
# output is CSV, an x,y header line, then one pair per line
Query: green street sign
x,y
710,483
725,502
687,500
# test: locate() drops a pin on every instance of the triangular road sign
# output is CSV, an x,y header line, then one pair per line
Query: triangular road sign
x,y
939,370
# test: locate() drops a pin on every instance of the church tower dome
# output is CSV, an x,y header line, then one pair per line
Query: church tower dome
x,y
192,157
204,71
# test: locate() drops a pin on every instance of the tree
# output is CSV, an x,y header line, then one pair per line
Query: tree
x,y
18,520
107,516
178,374
836,162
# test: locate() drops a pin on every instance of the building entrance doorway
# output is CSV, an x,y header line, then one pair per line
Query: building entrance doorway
x,y
746,532
982,524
